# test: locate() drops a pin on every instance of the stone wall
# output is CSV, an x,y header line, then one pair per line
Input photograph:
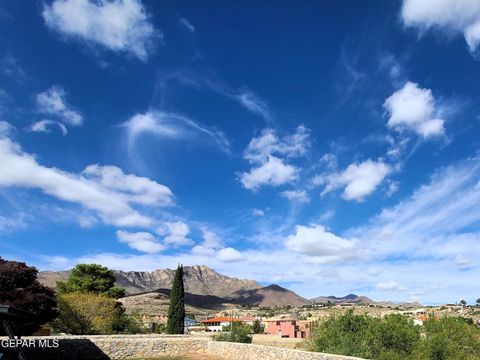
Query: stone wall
x,y
236,351
150,346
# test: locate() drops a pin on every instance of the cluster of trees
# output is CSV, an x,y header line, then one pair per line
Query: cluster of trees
x,y
87,303
84,304
395,337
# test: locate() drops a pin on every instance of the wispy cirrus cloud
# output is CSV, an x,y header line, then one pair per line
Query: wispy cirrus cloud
x,y
53,102
10,67
203,78
45,126
187,25
253,103
171,126
440,219
120,26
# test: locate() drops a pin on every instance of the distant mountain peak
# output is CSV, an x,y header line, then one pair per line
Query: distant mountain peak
x,y
199,279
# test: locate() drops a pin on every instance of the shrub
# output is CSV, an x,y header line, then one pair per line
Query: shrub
x,y
394,337
450,338
240,334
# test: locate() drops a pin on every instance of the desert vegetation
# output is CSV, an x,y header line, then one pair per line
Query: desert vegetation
x,y
395,337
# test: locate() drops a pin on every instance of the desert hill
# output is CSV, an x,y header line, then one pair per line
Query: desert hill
x,y
272,295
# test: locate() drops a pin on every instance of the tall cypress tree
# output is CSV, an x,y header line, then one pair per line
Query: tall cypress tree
x,y
176,310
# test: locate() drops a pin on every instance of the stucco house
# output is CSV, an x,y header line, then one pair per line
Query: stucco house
x,y
217,323
288,328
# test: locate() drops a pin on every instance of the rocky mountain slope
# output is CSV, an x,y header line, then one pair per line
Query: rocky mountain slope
x,y
350,298
50,278
272,295
207,289
199,279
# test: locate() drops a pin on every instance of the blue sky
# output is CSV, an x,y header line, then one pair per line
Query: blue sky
x,y
331,147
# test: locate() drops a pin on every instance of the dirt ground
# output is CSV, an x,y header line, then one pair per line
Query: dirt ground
x,y
275,340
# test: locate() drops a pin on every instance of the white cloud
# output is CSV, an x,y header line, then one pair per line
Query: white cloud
x,y
5,128
52,101
9,66
273,172
414,108
170,125
329,160
298,196
389,286
439,220
92,189
45,125
141,241
211,81
424,234
258,212
140,190
176,234
451,16
187,24
229,255
267,153
462,261
323,246
118,25
211,244
254,104
392,188
358,179
268,143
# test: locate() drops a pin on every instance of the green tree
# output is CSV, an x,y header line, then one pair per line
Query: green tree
x,y
257,327
450,338
240,334
176,310
478,302
20,288
86,313
394,338
91,278
463,302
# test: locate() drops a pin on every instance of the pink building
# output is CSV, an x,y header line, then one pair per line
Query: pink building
x,y
288,328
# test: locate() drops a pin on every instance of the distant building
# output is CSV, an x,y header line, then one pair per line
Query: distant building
x,y
288,328
217,323
248,320
192,325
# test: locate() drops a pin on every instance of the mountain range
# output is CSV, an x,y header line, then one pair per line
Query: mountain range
x,y
205,288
